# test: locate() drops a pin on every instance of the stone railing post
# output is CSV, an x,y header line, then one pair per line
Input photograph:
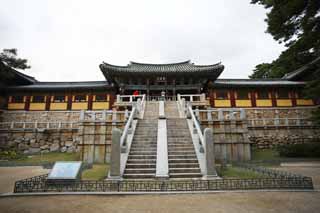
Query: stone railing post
x,y
203,97
115,155
161,110
210,170
82,116
118,99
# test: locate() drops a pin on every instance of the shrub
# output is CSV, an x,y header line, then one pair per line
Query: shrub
x,y
308,150
9,155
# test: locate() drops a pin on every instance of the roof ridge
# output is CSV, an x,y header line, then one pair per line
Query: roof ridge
x,y
158,64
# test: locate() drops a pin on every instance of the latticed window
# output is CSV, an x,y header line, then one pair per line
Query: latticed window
x,y
80,98
283,94
59,99
263,94
17,99
243,94
101,98
38,99
221,94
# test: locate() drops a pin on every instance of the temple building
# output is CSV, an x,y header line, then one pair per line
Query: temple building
x,y
26,93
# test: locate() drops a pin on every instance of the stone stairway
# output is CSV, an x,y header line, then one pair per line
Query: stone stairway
x,y
183,162
141,162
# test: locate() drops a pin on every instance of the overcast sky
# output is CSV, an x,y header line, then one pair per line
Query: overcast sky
x,y
66,40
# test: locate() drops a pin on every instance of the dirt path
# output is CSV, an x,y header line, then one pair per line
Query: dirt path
x,y
262,202
8,175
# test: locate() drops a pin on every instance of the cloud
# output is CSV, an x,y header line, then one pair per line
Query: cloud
x,y
67,40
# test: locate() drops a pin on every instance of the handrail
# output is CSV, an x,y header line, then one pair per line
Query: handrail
x,y
125,132
198,128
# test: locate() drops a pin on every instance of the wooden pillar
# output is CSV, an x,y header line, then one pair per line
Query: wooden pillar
x,y
48,101
90,101
273,98
211,95
112,97
232,98
253,99
69,103
27,103
293,98
148,88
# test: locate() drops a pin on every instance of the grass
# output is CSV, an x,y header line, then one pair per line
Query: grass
x,y
265,154
48,157
97,172
234,172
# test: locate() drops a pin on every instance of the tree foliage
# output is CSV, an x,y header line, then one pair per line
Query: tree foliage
x,y
9,61
9,58
296,23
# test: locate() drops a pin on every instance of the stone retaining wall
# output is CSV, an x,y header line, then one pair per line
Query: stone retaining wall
x,y
263,138
33,141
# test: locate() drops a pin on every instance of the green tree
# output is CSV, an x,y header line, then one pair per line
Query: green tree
x,y
9,61
296,23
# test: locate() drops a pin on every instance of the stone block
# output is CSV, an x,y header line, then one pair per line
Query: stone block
x,y
33,150
54,147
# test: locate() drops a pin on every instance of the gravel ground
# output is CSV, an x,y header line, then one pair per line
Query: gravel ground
x,y
215,202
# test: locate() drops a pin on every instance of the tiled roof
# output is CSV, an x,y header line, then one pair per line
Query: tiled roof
x,y
186,67
255,82
63,85
294,75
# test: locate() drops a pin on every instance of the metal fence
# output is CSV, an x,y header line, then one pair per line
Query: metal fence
x,y
40,184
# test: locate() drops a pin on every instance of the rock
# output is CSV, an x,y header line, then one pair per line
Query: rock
x,y
63,149
54,147
34,150
71,149
44,147
34,145
68,143
26,152
33,140
45,151
22,146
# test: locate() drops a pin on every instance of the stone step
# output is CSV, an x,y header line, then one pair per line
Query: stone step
x,y
183,165
139,176
185,175
140,165
184,170
141,161
143,152
180,160
181,152
134,157
142,144
190,156
140,171
143,149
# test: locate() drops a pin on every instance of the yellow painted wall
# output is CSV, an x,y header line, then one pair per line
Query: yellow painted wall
x,y
243,103
79,105
37,106
222,103
305,102
263,103
16,106
58,106
284,102
100,105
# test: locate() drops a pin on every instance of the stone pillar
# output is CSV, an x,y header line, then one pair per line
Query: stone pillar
x,y
115,155
209,154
